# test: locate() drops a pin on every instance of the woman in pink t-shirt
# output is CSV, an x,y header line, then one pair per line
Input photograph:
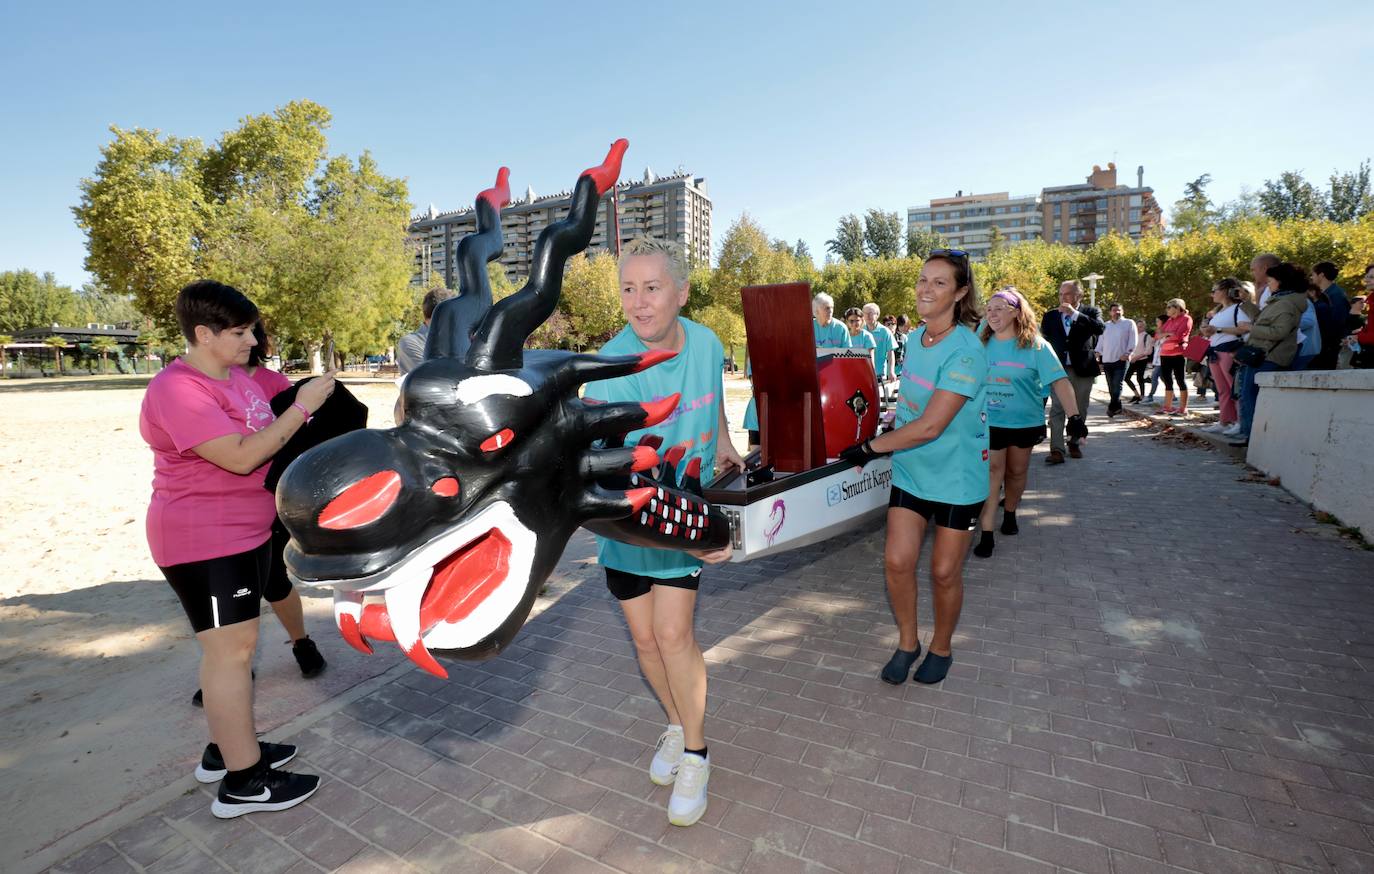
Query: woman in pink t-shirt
x,y
212,433
1172,337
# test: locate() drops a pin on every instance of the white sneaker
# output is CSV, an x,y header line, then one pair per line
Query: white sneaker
x,y
1214,428
689,792
1231,430
663,769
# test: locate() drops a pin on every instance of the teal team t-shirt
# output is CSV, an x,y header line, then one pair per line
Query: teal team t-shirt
x,y
833,336
1018,382
696,373
884,343
952,468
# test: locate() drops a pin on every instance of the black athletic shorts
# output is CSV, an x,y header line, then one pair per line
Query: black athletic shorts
x,y
222,591
960,517
627,585
1021,438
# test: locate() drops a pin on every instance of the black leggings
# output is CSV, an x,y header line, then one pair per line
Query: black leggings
x,y
1172,369
1137,370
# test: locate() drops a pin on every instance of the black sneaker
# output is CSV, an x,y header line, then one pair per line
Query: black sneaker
x,y
211,767
308,657
198,699
269,790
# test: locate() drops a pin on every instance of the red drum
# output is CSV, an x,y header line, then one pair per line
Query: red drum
x,y
849,399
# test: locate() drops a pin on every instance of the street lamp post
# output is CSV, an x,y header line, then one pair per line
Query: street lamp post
x,y
1092,280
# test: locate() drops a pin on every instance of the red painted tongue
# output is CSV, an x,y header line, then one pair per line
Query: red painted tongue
x,y
460,583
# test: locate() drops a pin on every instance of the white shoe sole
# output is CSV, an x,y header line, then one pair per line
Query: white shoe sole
x,y
663,781
691,817
205,775
229,811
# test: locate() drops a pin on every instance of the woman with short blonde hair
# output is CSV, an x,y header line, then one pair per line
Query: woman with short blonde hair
x,y
1172,338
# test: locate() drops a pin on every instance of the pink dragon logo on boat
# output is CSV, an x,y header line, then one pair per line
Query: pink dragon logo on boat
x,y
775,519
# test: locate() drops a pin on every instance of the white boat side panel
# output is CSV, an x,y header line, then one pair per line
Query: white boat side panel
x,y
815,511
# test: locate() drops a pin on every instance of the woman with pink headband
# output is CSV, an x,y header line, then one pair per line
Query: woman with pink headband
x,y
1022,369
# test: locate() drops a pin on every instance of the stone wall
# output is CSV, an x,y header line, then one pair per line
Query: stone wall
x,y
1315,431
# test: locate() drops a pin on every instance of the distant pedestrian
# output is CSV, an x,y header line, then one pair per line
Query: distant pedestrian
x,y
1224,331
410,349
1114,349
829,332
1333,311
1022,370
1139,364
1274,333
1172,337
886,343
1072,330
858,337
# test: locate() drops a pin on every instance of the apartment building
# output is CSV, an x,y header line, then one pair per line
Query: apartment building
x,y
967,220
1080,214
675,207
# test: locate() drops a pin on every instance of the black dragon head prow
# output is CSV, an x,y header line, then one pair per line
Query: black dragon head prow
x,y
457,516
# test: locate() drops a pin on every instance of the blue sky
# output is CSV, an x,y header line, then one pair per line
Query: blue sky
x,y
795,112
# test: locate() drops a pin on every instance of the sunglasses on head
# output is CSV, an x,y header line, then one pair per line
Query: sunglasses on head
x,y
948,253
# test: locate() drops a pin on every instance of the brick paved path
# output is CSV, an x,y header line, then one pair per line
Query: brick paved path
x,y
1126,698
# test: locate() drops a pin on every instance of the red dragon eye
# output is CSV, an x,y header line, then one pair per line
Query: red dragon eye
x,y
363,502
445,487
498,440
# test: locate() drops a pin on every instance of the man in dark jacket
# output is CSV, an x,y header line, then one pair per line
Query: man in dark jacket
x,y
1072,330
1333,309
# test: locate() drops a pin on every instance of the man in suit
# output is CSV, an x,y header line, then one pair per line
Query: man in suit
x,y
1072,330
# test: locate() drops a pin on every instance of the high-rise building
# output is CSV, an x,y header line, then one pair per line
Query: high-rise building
x,y
673,207
1073,214
1080,214
966,220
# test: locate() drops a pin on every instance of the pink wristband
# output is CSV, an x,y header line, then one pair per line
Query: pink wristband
x,y
304,412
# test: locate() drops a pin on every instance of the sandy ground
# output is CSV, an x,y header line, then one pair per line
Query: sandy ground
x,y
97,662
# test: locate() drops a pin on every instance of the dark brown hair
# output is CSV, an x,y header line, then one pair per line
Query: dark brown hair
x,y
213,304
967,309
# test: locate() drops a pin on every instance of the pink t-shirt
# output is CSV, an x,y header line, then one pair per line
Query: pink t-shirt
x,y
1179,327
200,510
272,382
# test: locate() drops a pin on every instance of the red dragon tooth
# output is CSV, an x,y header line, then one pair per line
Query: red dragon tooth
x,y
639,497
348,628
674,455
644,458
657,411
694,467
652,357
424,661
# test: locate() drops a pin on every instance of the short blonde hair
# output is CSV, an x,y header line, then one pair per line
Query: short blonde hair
x,y
824,300
671,250
1177,303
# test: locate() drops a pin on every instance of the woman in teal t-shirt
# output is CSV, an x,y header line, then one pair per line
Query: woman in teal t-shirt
x,y
939,461
1022,369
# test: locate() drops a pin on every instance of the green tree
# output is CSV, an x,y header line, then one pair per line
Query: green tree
x,y
920,241
727,324
591,298
319,243
57,344
1193,211
997,241
104,345
95,303
143,212
802,253
1246,205
1350,196
28,300
848,243
882,234
748,257
1291,197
